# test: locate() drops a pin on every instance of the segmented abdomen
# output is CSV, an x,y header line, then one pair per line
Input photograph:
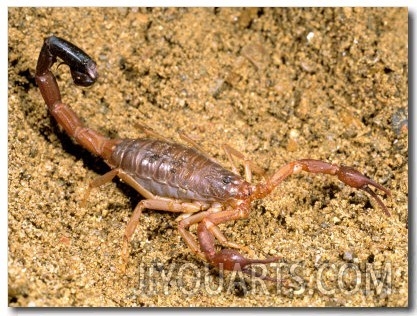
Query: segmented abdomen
x,y
175,171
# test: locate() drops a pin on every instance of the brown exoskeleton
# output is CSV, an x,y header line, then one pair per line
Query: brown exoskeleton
x,y
172,177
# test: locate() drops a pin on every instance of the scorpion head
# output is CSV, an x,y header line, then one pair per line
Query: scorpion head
x,y
226,185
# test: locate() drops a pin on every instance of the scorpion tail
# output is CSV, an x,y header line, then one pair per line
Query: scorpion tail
x,y
84,72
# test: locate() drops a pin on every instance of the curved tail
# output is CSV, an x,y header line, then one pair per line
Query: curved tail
x,y
84,73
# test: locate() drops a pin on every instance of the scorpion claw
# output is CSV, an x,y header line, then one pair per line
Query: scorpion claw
x,y
347,175
258,275
377,199
357,180
232,260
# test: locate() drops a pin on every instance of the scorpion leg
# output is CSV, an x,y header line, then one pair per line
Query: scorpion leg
x,y
185,137
98,182
150,131
248,164
188,237
195,219
108,177
347,175
151,202
197,146
158,203
225,243
227,259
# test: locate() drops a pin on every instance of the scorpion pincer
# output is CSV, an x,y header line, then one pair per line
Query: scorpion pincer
x,y
173,177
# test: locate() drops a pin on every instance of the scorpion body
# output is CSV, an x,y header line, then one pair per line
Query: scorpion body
x,y
176,171
173,177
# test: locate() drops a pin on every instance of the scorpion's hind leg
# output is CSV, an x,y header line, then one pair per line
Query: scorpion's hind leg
x,y
151,132
347,175
98,182
154,203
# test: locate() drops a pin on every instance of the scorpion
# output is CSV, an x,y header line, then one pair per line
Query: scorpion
x,y
177,178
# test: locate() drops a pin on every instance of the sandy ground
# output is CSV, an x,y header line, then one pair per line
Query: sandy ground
x,y
276,84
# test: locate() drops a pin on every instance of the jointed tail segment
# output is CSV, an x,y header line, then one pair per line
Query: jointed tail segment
x,y
84,73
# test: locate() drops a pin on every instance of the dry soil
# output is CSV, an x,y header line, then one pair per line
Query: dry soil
x,y
277,84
